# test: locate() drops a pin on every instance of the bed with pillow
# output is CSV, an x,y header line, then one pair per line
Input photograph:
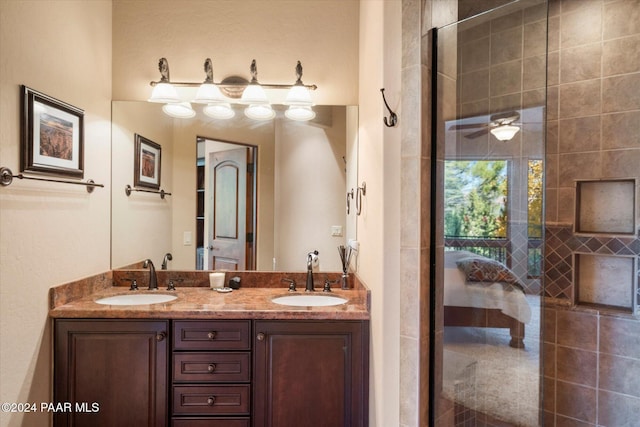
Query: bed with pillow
x,y
482,292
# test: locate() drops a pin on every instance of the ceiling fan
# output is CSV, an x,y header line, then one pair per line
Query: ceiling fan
x,y
502,126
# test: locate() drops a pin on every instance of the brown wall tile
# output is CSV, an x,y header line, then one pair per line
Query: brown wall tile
x,y
578,166
617,410
621,163
620,336
621,93
621,18
580,63
579,134
576,401
620,374
577,329
621,56
534,72
577,366
580,99
507,46
569,422
621,130
582,25
506,78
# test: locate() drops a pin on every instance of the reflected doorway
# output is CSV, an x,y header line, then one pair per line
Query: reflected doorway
x,y
226,206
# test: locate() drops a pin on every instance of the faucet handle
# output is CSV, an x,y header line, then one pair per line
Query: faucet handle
x,y
134,285
292,284
171,286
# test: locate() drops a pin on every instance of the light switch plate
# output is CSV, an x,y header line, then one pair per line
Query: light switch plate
x,y
186,238
336,230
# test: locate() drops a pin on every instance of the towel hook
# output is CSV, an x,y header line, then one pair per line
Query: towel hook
x,y
393,117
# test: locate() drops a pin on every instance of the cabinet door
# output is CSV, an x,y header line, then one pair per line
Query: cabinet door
x,y
120,366
310,374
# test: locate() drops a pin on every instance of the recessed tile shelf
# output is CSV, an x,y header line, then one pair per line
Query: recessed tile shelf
x,y
594,207
606,281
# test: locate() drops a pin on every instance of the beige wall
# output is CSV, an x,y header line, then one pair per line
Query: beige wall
x,y
141,222
379,223
49,233
322,34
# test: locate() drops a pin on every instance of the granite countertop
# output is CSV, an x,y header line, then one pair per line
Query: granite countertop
x,y
204,303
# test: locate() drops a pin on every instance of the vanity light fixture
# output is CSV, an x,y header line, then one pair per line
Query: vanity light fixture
x,y
255,96
163,91
299,99
237,90
505,132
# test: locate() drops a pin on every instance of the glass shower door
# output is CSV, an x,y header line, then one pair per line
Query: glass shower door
x,y
489,139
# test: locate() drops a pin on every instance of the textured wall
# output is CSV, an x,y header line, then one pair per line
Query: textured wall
x,y
322,34
49,233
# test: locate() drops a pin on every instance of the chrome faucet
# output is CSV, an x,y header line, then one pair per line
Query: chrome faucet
x,y
309,287
153,279
167,257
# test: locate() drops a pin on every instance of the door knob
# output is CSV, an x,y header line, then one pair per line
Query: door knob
x,y
260,336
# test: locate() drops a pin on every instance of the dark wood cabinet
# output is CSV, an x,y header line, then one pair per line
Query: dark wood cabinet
x,y
111,372
211,375
310,373
215,373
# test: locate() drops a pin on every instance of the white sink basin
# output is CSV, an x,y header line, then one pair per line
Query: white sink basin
x,y
306,300
136,299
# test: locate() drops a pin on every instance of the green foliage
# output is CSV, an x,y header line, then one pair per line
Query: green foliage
x,y
476,198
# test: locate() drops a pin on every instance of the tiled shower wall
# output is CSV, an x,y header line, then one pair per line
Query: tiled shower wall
x,y
591,356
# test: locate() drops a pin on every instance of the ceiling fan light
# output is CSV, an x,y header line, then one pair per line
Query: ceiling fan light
x,y
219,111
163,93
180,110
505,132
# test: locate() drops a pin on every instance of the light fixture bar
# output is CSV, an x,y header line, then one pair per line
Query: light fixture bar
x,y
264,85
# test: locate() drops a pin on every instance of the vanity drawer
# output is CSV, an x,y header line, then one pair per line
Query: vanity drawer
x,y
212,367
211,400
210,422
211,335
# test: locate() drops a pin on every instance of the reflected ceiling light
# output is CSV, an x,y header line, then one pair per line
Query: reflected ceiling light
x,y
180,110
163,91
299,113
219,111
259,112
237,90
505,132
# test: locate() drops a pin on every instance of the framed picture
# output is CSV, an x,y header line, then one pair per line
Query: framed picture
x,y
147,164
52,135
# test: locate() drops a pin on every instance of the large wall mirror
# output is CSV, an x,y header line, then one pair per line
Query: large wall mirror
x,y
299,175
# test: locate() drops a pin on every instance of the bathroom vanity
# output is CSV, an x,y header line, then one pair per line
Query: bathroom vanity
x,y
232,360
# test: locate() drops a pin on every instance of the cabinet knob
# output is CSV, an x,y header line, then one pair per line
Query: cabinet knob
x,y
211,368
211,335
260,336
211,400
160,336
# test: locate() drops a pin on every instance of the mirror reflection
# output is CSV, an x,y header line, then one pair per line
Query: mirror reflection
x,y
244,194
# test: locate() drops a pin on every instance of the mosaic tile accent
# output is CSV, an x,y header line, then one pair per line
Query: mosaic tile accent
x,y
560,245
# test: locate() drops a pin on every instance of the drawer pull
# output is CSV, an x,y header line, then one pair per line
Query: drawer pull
x,y
211,400
211,335
211,368
260,336
160,336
